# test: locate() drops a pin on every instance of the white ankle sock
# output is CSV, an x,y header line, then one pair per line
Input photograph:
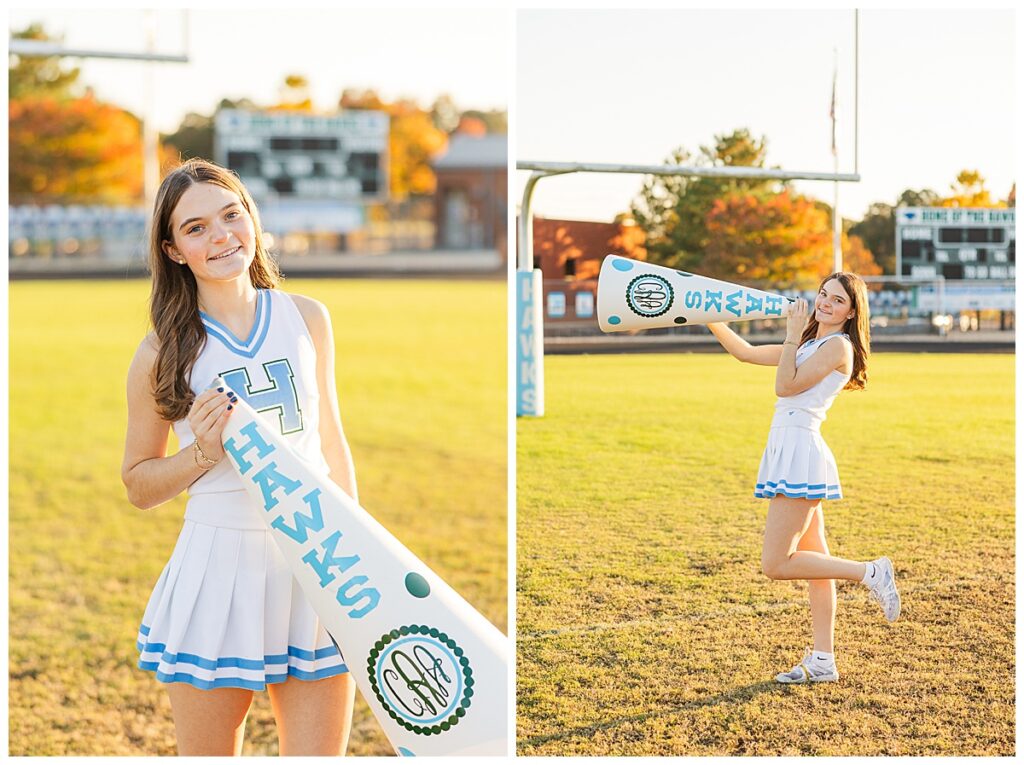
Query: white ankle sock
x,y
871,572
823,658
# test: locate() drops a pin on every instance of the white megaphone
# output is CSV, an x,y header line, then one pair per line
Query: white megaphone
x,y
632,294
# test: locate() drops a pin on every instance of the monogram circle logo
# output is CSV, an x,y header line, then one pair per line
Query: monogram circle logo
x,y
422,678
649,295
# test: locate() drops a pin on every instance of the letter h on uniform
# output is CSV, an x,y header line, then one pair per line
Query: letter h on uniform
x,y
280,395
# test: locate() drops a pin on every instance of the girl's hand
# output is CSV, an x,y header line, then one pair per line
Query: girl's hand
x,y
796,321
207,418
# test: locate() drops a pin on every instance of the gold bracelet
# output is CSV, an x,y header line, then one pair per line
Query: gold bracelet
x,y
197,453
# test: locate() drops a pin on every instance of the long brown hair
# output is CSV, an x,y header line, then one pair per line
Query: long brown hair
x,y
174,300
858,326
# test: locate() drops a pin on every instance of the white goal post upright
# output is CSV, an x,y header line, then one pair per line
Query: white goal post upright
x,y
529,293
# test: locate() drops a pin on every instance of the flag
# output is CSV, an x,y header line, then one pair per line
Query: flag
x,y
832,110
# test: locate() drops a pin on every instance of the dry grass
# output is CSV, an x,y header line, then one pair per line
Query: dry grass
x,y
644,624
421,378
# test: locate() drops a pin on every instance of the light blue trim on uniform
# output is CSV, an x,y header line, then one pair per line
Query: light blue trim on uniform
x,y
771,489
766,495
788,485
260,328
238,682
228,661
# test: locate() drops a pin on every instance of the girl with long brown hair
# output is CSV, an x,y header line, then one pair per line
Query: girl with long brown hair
x,y
226,618
823,353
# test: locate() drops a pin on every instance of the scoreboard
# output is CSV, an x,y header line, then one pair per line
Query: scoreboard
x,y
955,242
307,171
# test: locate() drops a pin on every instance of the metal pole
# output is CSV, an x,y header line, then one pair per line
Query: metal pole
x,y
529,312
697,172
150,139
856,89
837,221
524,244
837,234
45,49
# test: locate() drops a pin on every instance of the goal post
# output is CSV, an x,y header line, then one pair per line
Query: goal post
x,y
529,289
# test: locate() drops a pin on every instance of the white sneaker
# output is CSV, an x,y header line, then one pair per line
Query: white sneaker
x,y
884,590
809,671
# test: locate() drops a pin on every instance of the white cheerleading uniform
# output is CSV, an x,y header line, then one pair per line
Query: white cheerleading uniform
x,y
797,462
226,611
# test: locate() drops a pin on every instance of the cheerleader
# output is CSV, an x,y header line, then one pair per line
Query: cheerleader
x,y
823,353
226,618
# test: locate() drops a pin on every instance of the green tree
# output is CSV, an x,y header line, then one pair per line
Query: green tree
x,y
922,198
194,136
673,210
877,230
39,75
444,113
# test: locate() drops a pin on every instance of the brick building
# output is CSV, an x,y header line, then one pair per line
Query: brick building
x,y
570,253
472,194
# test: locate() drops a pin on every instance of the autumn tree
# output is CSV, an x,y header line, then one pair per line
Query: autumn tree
x,y
65,146
294,95
471,126
857,258
39,75
780,239
673,210
969,191
74,150
413,142
495,120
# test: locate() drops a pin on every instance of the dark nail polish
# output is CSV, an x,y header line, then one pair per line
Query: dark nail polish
x,y
220,390
229,406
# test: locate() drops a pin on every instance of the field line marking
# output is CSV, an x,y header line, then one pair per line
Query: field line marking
x,y
747,609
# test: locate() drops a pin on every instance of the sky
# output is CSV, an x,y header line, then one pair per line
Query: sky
x,y
936,95
247,53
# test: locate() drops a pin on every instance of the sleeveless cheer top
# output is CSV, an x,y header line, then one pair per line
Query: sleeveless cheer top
x,y
274,370
807,409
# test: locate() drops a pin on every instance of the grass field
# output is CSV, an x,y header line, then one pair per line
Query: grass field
x,y
422,386
644,624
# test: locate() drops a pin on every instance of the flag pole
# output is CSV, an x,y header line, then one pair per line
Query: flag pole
x,y
837,235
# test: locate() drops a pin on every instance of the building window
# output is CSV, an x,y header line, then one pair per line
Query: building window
x,y
570,266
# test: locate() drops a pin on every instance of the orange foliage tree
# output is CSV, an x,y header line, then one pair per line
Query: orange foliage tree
x,y
783,240
73,150
969,191
413,141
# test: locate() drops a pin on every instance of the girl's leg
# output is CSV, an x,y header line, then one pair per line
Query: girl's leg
x,y
209,722
822,592
314,717
787,521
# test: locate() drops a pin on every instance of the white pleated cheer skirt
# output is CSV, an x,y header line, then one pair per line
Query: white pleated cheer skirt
x,y
797,463
227,612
